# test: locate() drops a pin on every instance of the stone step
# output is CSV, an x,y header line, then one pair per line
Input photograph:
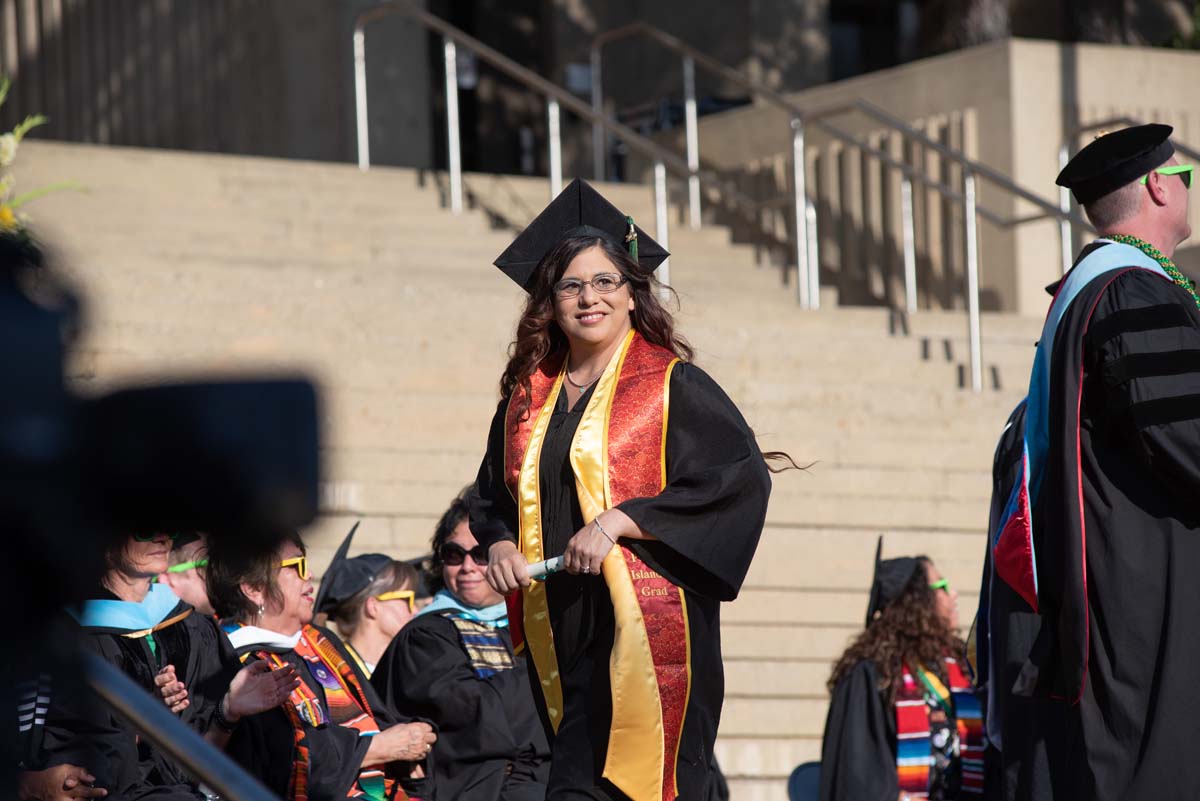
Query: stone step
x,y
750,788
764,757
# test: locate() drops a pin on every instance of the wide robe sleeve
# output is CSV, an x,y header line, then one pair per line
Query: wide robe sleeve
x,y
426,672
494,518
1143,342
708,518
858,754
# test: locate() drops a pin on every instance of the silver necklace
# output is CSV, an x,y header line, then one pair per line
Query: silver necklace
x,y
585,384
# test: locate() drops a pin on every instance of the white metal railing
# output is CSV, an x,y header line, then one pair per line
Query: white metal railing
x,y
557,99
802,211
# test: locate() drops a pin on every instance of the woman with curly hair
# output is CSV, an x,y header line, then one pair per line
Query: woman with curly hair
x,y
904,722
612,450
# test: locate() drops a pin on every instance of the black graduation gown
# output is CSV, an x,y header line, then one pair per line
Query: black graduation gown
x,y
1017,726
491,743
264,744
707,522
1117,577
69,723
858,751
204,661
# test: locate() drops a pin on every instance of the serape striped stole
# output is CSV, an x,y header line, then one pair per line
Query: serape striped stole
x,y
914,748
484,646
345,704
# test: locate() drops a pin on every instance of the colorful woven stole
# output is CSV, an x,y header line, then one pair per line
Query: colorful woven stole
x,y
345,705
618,453
968,717
484,646
914,749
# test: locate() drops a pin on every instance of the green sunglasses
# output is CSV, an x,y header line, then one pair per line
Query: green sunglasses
x,y
185,566
1184,171
940,584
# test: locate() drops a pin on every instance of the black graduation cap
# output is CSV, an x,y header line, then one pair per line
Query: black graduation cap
x,y
578,209
1113,160
347,577
890,579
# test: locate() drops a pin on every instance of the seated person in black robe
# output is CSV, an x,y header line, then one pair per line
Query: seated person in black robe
x,y
454,664
64,748
904,722
159,642
370,597
331,737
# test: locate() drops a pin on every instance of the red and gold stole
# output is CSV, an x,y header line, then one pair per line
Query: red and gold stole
x,y
618,453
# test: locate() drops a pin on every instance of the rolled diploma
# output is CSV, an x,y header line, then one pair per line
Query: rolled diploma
x,y
538,571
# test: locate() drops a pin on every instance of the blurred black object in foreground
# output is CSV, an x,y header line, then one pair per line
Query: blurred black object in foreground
x,y
235,459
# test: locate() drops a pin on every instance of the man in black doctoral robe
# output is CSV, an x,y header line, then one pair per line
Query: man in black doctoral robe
x,y
1101,535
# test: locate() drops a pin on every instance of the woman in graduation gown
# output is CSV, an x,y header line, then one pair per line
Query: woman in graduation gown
x,y
163,645
904,721
454,664
331,737
610,449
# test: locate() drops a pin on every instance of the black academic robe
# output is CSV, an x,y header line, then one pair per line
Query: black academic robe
x,y
707,522
858,751
204,661
1117,536
491,744
64,722
264,744
1016,726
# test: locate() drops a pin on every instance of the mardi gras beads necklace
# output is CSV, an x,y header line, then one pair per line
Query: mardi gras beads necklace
x,y
1168,266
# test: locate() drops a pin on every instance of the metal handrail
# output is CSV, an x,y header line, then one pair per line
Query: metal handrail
x,y
556,98
1066,233
170,734
807,264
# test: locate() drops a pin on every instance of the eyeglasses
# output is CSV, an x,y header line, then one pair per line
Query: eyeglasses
x,y
401,595
602,283
155,534
1184,171
298,562
183,567
453,554
940,584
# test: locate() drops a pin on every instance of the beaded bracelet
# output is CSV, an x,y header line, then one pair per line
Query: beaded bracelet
x,y
220,721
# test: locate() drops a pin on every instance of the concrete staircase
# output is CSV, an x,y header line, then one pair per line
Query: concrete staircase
x,y
196,263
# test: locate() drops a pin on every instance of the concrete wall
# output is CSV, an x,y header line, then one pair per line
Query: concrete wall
x,y
1006,104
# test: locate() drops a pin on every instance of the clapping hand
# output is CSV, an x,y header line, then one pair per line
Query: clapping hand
x,y
172,690
257,687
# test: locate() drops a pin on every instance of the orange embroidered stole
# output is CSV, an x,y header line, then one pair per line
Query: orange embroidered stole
x,y
618,453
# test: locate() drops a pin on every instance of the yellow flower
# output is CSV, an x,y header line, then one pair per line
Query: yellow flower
x,y
8,220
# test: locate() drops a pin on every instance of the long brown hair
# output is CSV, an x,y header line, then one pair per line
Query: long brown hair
x,y
909,631
539,336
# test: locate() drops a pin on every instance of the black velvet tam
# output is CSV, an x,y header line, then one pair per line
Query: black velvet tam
x,y
578,209
1113,160
347,577
891,577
